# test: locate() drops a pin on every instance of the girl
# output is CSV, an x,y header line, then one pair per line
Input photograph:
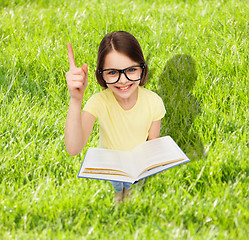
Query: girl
x,y
128,114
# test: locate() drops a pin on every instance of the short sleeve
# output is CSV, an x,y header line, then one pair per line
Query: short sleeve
x,y
93,105
159,108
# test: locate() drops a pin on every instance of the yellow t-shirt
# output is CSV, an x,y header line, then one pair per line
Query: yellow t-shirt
x,y
124,129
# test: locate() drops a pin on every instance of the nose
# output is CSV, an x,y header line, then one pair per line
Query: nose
x,y
123,78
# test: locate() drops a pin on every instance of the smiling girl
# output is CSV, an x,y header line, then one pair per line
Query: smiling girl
x,y
128,114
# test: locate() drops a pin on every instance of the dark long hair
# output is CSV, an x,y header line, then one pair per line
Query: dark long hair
x,y
122,42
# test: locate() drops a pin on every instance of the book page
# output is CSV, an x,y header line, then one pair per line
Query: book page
x,y
106,177
160,169
157,152
107,164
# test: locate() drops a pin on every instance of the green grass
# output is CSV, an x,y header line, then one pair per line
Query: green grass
x,y
198,57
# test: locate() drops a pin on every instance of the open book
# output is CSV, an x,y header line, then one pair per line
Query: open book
x,y
144,160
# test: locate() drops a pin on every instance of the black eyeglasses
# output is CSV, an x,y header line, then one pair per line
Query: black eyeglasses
x,y
133,73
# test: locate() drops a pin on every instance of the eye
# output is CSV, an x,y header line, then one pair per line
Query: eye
x,y
112,73
131,70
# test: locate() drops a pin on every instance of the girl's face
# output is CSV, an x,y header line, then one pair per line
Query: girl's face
x,y
123,89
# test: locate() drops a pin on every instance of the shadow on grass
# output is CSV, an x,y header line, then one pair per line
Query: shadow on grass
x,y
175,86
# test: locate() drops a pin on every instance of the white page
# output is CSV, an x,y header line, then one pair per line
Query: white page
x,y
157,151
107,177
97,158
161,168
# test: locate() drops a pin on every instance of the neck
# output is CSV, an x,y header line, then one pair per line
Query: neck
x,y
127,103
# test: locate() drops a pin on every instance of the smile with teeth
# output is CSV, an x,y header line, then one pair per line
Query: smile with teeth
x,y
124,88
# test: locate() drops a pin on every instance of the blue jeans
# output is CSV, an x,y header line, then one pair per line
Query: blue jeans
x,y
118,186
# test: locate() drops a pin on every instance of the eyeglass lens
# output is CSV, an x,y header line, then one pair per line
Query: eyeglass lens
x,y
132,73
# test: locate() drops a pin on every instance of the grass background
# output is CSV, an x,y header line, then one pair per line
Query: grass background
x,y
197,52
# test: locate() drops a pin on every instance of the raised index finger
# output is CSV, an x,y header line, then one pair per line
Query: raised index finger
x,y
70,56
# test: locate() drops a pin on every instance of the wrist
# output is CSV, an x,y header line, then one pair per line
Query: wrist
x,y
75,101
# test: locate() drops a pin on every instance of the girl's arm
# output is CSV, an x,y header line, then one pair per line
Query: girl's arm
x,y
154,130
78,126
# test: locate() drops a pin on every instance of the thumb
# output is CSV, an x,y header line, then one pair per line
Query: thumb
x,y
84,68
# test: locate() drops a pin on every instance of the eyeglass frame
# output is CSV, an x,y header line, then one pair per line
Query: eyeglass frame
x,y
120,71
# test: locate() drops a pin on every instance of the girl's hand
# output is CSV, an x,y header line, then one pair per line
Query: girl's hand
x,y
76,78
